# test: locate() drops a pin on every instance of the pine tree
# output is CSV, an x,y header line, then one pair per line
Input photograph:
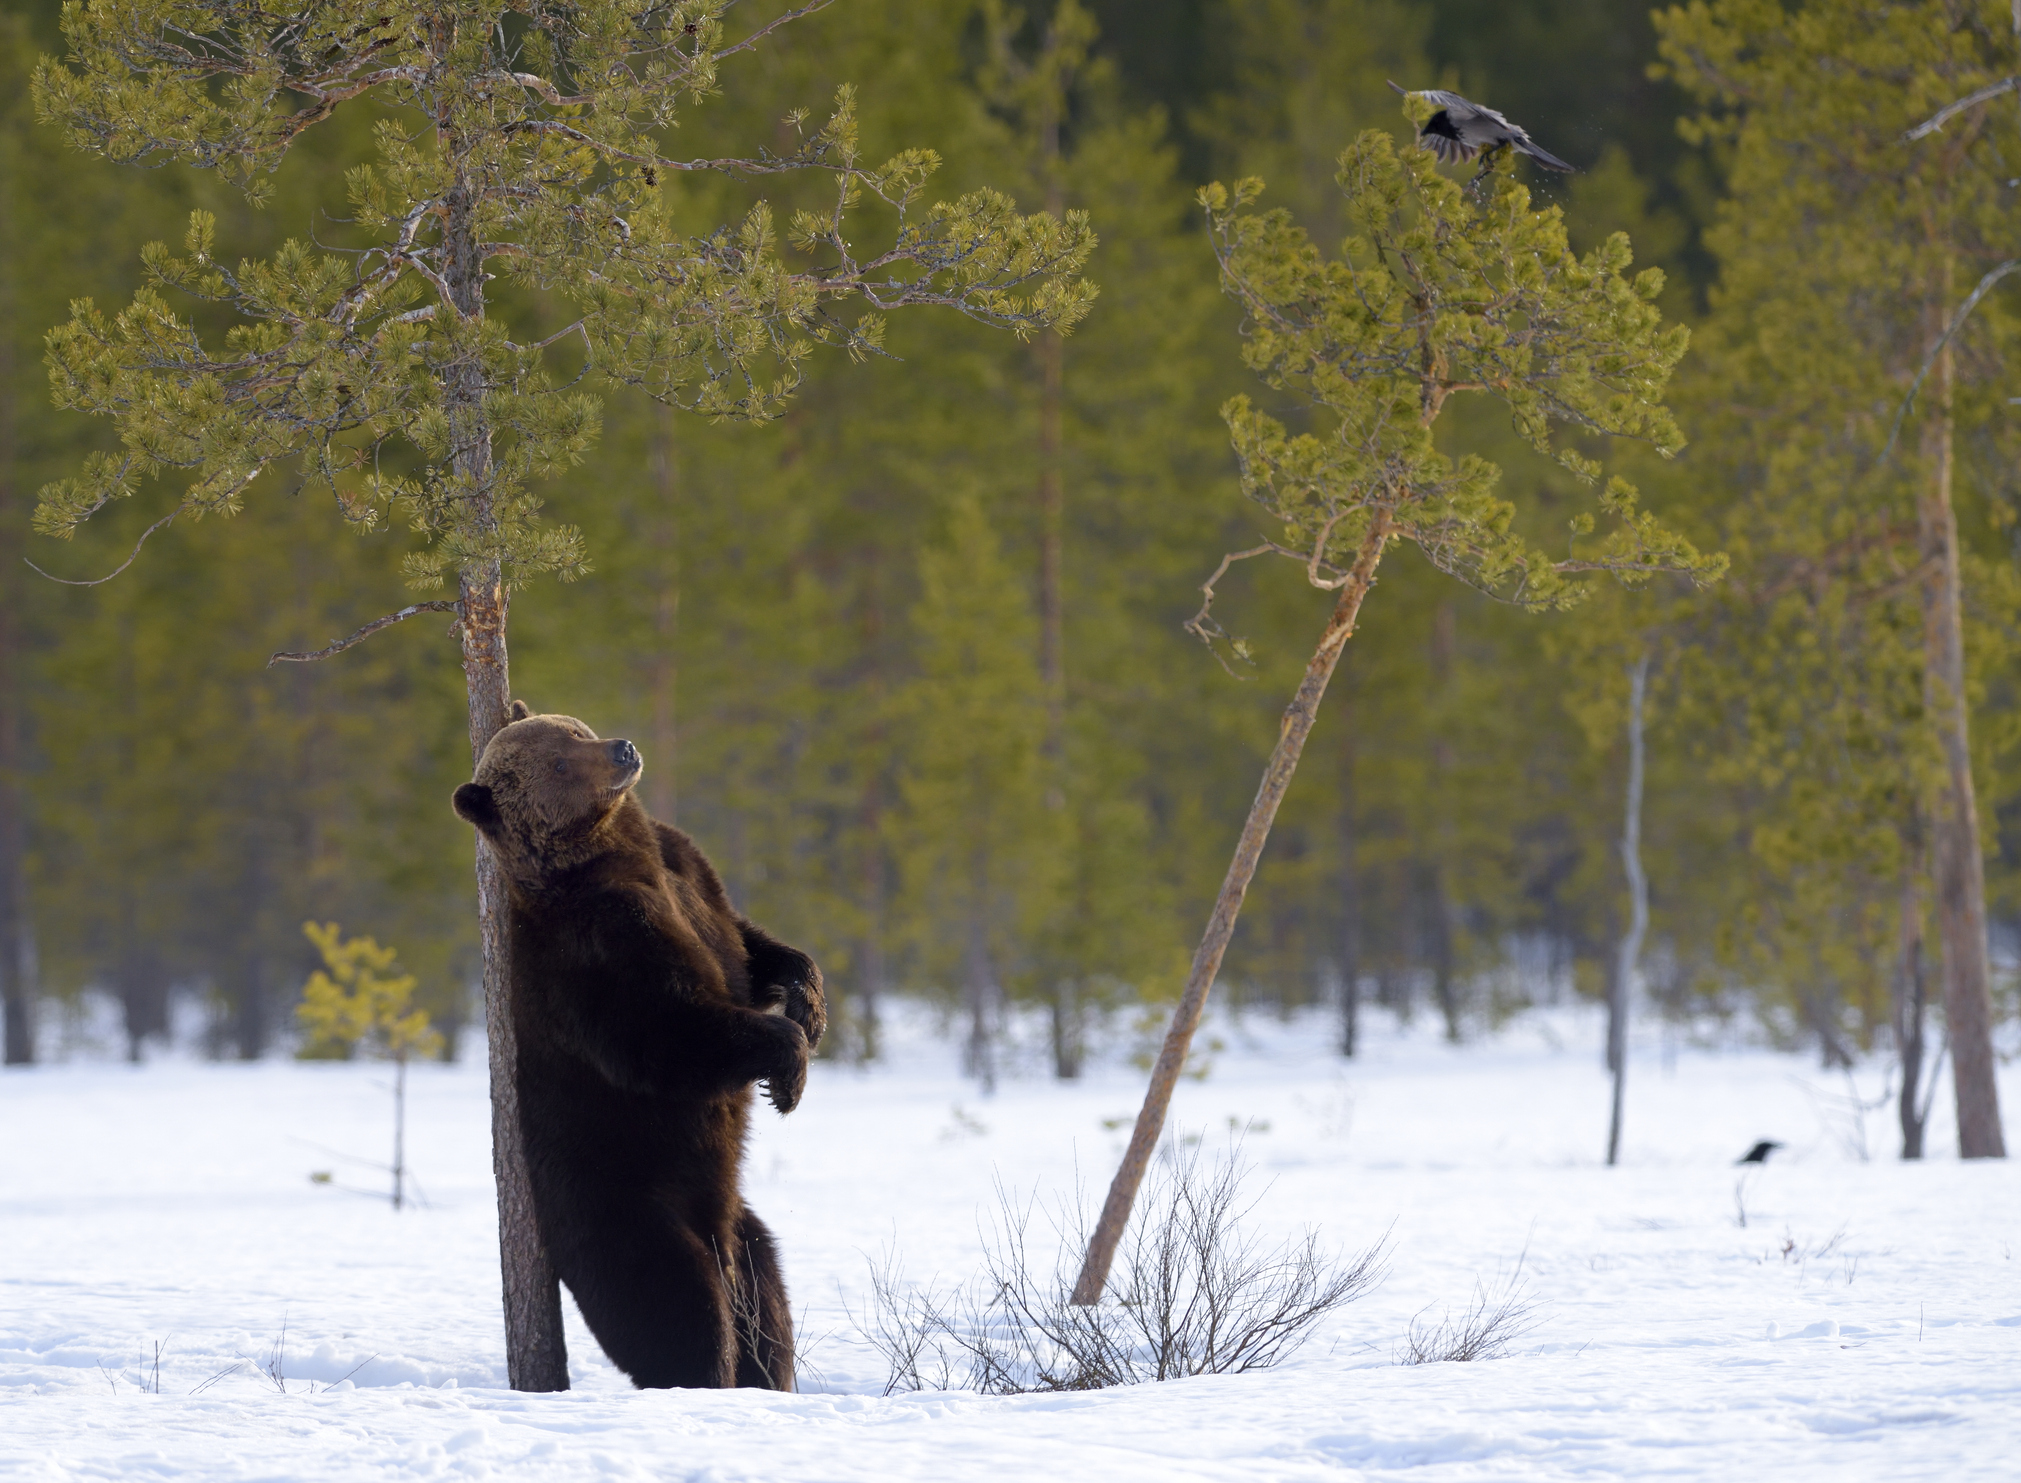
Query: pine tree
x,y
355,1002
1441,292
540,155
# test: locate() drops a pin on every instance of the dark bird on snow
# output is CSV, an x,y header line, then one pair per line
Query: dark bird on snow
x,y
1460,130
1760,1152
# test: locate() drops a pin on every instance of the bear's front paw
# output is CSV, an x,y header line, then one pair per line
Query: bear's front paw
x,y
788,1078
807,1007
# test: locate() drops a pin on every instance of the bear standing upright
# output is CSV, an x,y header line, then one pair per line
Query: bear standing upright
x,y
645,1007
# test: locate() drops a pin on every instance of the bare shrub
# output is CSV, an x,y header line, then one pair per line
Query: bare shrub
x,y
1194,1294
1487,1328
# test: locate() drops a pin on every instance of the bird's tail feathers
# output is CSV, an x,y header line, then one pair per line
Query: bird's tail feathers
x,y
1545,158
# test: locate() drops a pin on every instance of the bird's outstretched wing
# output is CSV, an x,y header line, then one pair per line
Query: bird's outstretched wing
x,y
1461,129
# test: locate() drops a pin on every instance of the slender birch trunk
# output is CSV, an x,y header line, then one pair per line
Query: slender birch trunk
x,y
1959,865
1638,907
536,1354
1296,726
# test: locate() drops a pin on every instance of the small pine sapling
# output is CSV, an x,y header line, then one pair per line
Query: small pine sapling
x,y
1439,291
356,1002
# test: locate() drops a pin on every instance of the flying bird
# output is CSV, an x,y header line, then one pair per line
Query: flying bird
x,y
1460,130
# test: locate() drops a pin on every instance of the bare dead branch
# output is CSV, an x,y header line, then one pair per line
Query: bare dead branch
x,y
1930,360
132,556
362,634
580,326
1950,111
1317,559
766,30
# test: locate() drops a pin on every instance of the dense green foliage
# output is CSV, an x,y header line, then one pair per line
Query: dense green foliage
x,y
827,632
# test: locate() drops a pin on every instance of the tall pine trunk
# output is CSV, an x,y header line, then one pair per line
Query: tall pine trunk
x,y
536,1354
1277,774
1958,864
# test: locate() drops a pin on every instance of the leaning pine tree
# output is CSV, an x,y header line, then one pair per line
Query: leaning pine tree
x,y
520,140
1440,291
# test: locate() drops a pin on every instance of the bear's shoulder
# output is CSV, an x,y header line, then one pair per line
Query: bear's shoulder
x,y
683,858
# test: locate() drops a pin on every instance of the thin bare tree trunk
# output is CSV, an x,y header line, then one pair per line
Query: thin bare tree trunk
x,y
1439,905
979,990
1638,907
1911,996
399,1128
1444,992
662,777
536,1354
16,999
1954,826
1350,910
1067,1034
1296,726
1052,556
876,864
1051,354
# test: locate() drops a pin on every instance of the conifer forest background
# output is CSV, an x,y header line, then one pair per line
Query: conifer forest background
x,y
909,661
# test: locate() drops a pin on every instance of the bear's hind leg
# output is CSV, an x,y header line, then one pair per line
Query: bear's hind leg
x,y
764,1321
654,1296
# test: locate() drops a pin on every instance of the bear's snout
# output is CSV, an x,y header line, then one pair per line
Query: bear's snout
x,y
624,755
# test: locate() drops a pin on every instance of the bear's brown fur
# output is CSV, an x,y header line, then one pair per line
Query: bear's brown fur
x,y
645,1007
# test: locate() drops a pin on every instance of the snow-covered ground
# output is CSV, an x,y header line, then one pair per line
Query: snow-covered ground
x,y
1864,1323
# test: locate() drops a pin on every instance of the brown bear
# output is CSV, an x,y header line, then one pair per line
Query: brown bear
x,y
645,1006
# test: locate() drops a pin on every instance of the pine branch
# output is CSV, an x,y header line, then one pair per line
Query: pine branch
x,y
131,557
362,634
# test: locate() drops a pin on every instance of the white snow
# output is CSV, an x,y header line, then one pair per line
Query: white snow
x,y
1866,1322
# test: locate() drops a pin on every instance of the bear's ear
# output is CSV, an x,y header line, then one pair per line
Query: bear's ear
x,y
475,805
519,710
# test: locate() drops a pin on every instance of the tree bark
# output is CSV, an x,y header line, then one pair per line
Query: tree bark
x,y
1277,774
1959,866
1638,907
536,1353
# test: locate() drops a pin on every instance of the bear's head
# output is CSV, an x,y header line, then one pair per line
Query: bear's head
x,y
546,789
